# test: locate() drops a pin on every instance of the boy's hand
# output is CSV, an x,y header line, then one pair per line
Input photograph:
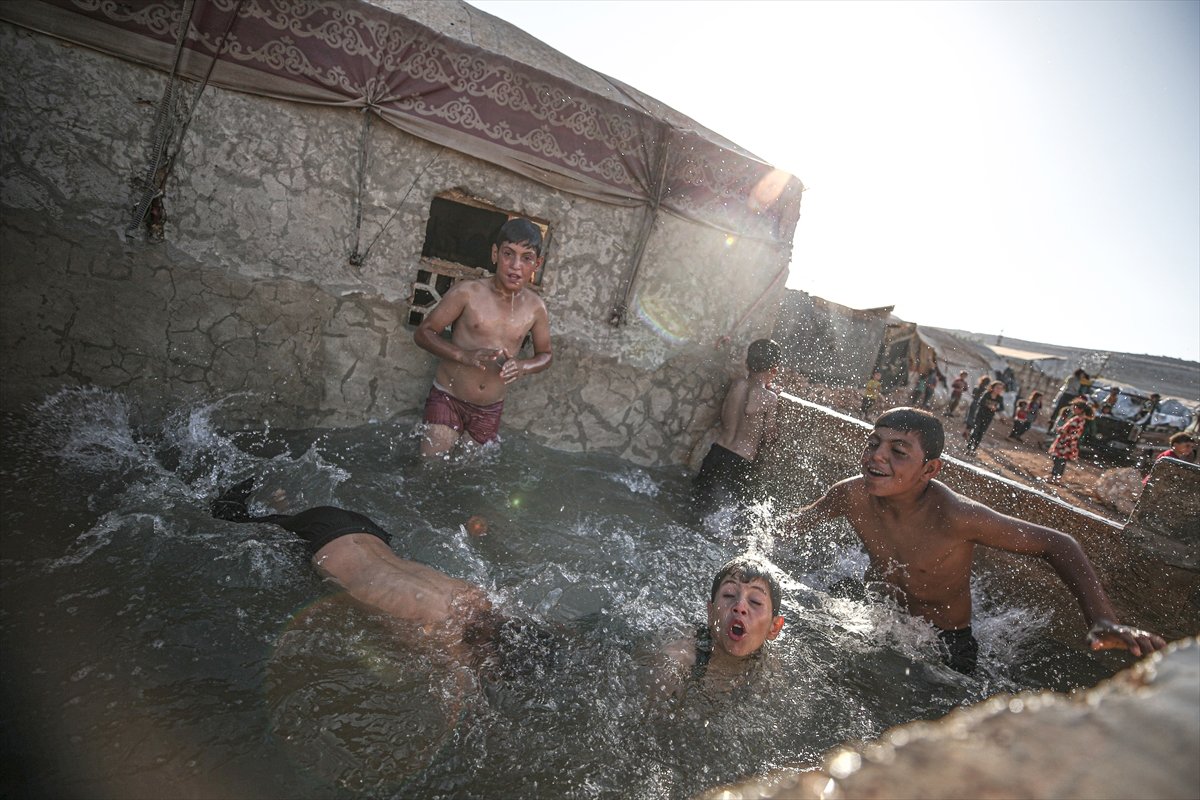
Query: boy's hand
x,y
484,357
1111,636
510,370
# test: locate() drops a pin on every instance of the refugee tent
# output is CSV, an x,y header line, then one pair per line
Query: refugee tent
x,y
300,151
515,103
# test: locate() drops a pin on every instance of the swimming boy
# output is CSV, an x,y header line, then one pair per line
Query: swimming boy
x,y
489,319
920,538
743,615
351,551
747,421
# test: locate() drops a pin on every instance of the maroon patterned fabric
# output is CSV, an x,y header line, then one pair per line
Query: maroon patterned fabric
x,y
485,104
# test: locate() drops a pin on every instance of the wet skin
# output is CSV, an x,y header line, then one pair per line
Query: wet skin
x,y
489,319
920,537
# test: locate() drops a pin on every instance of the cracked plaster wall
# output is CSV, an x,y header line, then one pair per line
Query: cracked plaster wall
x,y
253,293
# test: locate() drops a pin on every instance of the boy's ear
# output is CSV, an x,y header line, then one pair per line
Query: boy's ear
x,y
931,469
776,627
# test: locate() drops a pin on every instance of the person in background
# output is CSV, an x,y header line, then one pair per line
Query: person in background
x,y
957,388
872,392
1065,446
1033,409
1020,420
1149,408
932,377
1183,448
917,395
1068,392
990,405
1110,400
980,389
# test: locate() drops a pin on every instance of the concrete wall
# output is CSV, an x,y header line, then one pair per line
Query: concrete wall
x,y
1135,735
252,290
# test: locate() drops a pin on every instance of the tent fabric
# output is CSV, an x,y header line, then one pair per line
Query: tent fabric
x,y
487,105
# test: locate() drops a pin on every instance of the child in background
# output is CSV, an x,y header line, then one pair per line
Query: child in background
x,y
1020,420
1183,447
989,406
1065,446
957,388
872,393
980,389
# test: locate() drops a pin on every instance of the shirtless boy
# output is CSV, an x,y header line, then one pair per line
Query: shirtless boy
x,y
743,615
489,319
920,537
747,421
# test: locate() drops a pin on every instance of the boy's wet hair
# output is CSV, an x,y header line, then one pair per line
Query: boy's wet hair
x,y
745,569
927,427
520,231
762,355
1180,438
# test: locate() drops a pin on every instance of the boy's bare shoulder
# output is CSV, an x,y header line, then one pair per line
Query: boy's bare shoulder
x,y
958,510
681,651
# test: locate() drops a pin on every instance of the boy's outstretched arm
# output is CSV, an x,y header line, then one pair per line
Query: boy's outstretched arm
x,y
831,505
993,529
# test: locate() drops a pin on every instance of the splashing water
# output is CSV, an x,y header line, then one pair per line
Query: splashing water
x,y
207,658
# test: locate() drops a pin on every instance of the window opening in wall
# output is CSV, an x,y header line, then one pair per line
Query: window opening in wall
x,y
458,245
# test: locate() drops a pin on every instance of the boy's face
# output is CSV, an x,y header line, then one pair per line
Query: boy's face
x,y
893,463
1184,449
516,264
740,617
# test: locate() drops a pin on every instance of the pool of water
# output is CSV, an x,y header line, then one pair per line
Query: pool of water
x,y
150,648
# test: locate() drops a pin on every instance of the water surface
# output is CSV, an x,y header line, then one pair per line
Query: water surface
x,y
151,648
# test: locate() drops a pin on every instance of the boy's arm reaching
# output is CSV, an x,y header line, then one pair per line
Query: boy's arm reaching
x,y
993,529
833,504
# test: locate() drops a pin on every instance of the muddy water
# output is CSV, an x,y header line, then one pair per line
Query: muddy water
x,y
152,649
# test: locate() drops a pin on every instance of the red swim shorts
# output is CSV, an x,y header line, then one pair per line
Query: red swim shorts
x,y
482,422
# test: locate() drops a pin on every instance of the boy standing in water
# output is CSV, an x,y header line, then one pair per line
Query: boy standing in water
x,y
920,538
743,615
747,421
489,319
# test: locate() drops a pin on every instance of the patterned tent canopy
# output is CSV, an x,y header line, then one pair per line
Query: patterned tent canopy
x,y
602,140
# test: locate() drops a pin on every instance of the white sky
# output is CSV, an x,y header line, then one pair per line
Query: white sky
x,y
1025,167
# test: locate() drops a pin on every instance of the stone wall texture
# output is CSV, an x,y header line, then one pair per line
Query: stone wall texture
x,y
252,295
1135,735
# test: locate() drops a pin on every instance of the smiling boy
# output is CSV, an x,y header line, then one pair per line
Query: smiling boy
x,y
489,319
920,538
743,615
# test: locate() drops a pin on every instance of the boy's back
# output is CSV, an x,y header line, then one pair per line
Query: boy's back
x,y
747,417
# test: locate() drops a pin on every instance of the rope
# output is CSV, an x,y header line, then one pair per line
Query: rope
x,y
358,259
154,182
161,126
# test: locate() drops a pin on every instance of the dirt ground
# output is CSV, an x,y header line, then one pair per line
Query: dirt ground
x,y
1026,462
